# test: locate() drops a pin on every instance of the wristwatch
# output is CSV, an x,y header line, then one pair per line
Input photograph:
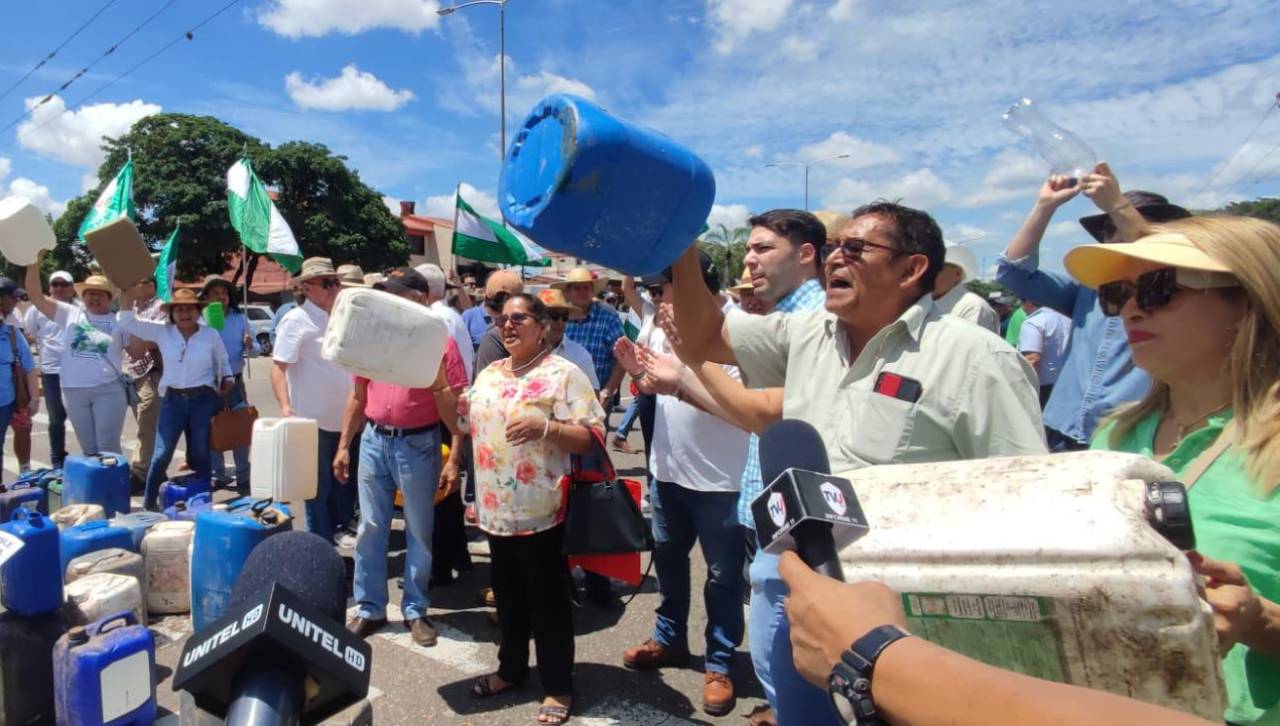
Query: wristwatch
x,y
849,684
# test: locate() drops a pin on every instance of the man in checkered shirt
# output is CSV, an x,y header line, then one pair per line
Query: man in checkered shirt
x,y
595,326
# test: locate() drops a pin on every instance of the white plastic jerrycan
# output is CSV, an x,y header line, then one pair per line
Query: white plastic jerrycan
x,y
284,452
1048,565
384,337
24,231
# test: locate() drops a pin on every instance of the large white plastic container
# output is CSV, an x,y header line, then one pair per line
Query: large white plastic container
x,y
96,596
1045,565
24,231
77,514
384,337
114,560
284,452
166,552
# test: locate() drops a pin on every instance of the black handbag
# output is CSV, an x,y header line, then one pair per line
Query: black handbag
x,y
602,517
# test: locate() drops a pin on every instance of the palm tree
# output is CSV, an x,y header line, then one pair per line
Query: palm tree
x,y
727,247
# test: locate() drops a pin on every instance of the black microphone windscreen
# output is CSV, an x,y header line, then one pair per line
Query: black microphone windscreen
x,y
791,443
301,562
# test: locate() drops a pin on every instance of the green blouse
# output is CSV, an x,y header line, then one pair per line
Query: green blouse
x,y
1235,523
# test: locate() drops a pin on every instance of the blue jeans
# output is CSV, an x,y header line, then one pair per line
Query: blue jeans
x,y
412,465
681,516
57,418
322,511
628,418
794,700
236,400
190,415
6,413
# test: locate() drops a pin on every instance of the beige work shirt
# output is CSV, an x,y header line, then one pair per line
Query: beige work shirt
x,y
979,397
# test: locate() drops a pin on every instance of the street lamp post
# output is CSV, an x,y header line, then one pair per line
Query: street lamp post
x,y
502,63
807,166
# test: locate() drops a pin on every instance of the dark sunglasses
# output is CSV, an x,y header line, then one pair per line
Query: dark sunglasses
x,y
59,283
1153,289
852,249
655,290
498,300
558,316
517,318
327,283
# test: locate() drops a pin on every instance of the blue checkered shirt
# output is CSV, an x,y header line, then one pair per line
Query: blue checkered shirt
x,y
597,333
808,296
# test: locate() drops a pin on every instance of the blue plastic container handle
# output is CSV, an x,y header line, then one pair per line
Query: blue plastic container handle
x,y
100,626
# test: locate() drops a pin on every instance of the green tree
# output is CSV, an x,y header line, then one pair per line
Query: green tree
x,y
1267,208
180,166
728,247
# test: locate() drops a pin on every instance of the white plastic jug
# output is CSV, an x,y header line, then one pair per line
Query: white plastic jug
x,y
24,231
113,560
77,514
1045,565
284,452
385,338
165,550
96,596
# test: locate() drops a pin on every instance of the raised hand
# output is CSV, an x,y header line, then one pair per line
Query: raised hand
x,y
625,351
1103,188
667,321
1057,190
662,370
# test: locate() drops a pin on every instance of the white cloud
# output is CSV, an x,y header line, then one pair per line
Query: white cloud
x,y
1063,229
476,90
844,10
801,48
310,18
964,234
545,83
6,166
731,216
1011,175
754,151
393,205
736,19
352,90
443,205
921,188
863,154
75,137
39,196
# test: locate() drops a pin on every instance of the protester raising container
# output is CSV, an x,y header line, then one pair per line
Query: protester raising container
x,y
385,338
24,231
582,182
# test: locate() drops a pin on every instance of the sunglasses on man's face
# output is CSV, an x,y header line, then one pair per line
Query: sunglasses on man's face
x,y
1153,290
59,283
497,301
327,283
852,249
655,290
558,316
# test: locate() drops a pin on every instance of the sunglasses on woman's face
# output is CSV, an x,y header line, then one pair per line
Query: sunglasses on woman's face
x,y
1153,291
515,318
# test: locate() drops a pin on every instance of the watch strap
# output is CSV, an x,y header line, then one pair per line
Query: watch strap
x,y
849,683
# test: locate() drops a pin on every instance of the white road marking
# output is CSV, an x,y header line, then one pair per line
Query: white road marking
x,y
454,648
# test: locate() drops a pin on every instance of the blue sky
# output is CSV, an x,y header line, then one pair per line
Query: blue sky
x,y
1166,92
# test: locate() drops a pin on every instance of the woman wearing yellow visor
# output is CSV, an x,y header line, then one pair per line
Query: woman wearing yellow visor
x,y
1200,300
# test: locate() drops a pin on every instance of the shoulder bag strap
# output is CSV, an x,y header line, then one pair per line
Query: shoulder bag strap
x,y
1201,463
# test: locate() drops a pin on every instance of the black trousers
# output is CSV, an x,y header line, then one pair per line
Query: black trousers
x,y
531,584
449,539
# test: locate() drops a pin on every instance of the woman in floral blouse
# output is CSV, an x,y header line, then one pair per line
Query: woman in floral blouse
x,y
528,413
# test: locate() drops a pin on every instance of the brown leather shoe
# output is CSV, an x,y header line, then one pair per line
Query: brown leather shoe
x,y
652,655
717,694
364,627
423,633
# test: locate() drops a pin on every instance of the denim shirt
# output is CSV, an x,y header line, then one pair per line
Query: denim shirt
x,y
234,330
1099,373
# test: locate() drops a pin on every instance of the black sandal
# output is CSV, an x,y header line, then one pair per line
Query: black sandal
x,y
480,688
557,714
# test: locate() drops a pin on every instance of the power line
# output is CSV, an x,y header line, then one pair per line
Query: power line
x,y
1259,163
186,35
1208,182
54,52
66,84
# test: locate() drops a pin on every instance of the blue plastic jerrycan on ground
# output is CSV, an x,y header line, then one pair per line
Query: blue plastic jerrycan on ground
x,y
138,523
104,674
222,543
91,537
180,490
101,479
30,580
22,495
186,510
582,182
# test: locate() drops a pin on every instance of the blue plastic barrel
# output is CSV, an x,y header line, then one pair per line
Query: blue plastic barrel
x,y
91,537
138,523
580,181
101,479
180,490
104,674
22,495
222,543
186,510
31,581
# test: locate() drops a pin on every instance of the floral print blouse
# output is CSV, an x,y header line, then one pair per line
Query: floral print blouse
x,y
518,488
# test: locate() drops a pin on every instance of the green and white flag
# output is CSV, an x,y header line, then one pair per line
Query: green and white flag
x,y
167,267
256,218
115,201
480,238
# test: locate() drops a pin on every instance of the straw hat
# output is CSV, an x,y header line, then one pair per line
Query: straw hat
x,y
372,278
314,267
744,284
1099,264
503,281
554,299
96,282
183,296
832,221
351,276
582,274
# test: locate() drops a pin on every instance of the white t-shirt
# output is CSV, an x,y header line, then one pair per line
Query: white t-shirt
x,y
690,447
92,347
317,388
580,357
458,331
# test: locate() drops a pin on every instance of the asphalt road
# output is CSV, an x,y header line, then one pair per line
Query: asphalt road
x,y
414,685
